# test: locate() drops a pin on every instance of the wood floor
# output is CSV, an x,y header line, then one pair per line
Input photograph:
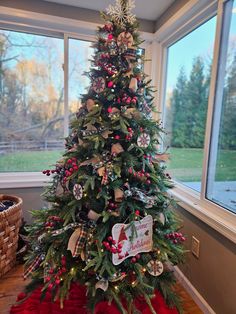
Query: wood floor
x,y
12,284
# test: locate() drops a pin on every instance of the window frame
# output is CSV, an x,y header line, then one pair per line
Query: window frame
x,y
188,18
49,25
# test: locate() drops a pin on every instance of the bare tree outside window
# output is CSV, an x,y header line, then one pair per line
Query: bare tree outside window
x,y
32,98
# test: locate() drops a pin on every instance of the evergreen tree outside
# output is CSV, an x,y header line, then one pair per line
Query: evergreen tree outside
x,y
110,225
179,106
228,131
189,104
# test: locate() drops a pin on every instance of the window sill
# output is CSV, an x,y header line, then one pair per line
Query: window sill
x,y
215,216
23,180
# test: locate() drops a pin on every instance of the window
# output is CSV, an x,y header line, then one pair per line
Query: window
x,y
32,124
221,181
186,97
200,118
80,52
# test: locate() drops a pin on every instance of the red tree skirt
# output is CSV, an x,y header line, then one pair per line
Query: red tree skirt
x,y
76,304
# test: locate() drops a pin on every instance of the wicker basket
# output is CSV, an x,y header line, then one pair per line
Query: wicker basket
x,y
10,221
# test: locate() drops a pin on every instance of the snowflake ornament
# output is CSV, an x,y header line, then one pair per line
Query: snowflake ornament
x,y
78,191
143,140
120,12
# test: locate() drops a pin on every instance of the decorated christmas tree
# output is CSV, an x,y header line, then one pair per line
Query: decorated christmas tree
x,y
109,226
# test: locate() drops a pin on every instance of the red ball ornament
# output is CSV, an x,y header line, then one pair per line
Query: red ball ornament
x,y
57,282
50,286
110,36
109,109
137,212
110,84
133,260
117,137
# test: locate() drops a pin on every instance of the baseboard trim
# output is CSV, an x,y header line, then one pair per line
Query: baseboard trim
x,y
197,297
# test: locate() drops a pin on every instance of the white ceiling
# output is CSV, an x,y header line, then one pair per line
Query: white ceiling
x,y
145,9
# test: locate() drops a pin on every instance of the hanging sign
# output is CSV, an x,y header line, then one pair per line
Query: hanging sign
x,y
134,238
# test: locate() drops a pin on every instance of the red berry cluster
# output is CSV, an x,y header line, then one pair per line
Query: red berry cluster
x,y
111,206
127,99
175,237
108,27
148,157
55,276
104,56
144,176
112,246
135,258
70,167
129,136
110,69
52,221
48,172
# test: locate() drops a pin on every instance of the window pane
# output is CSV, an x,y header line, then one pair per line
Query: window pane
x,y
221,185
187,90
80,52
31,101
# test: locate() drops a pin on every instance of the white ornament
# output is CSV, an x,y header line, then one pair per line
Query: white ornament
x,y
98,84
132,244
121,14
144,140
155,268
162,218
78,191
92,215
133,85
125,39
102,284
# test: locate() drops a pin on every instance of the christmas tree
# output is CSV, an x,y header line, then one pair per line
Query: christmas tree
x,y
109,225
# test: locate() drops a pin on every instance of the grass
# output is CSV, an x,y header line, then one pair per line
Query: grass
x,y
185,163
29,161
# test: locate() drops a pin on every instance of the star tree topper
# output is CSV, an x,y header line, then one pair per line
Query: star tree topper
x,y
120,12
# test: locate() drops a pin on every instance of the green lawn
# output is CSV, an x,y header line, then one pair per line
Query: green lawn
x,y
29,161
185,164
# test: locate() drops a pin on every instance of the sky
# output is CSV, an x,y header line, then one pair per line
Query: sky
x,y
199,42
